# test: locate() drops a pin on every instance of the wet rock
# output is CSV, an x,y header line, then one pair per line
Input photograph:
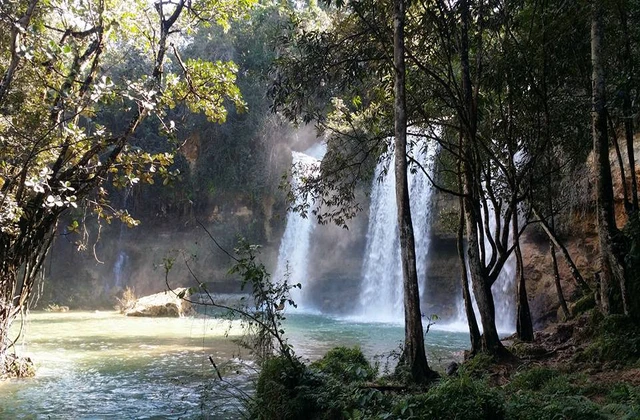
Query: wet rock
x,y
163,304
57,308
451,369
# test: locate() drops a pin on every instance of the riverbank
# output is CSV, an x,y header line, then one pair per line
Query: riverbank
x,y
587,368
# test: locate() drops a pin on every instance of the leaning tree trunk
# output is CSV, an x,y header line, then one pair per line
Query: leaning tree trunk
x,y
23,257
556,280
613,295
413,355
575,273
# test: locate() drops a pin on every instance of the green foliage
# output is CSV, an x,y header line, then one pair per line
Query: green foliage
x,y
327,389
538,406
262,318
544,393
623,402
277,394
478,365
457,398
204,87
346,364
534,379
540,393
583,304
616,339
284,392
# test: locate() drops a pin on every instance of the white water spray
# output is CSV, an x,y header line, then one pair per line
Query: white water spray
x,y
381,295
122,258
293,255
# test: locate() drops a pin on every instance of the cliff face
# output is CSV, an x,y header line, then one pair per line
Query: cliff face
x,y
443,273
124,257
580,238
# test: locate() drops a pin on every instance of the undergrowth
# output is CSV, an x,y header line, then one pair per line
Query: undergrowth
x,y
615,340
340,386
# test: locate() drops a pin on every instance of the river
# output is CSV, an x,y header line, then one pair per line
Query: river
x,y
102,365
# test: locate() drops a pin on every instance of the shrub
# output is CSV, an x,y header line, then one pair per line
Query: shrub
x,y
528,405
457,398
346,364
623,402
533,379
277,390
617,339
478,366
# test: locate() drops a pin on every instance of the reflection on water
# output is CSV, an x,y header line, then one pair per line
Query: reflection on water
x,y
104,365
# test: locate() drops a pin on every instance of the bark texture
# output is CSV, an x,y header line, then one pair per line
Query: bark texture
x,y
479,277
612,277
413,355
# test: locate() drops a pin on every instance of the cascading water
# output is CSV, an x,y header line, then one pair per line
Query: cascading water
x,y
293,255
381,297
122,258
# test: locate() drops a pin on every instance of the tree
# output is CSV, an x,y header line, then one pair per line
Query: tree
x,y
613,288
413,353
55,80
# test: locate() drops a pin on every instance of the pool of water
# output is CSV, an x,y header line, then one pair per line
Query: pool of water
x,y
95,365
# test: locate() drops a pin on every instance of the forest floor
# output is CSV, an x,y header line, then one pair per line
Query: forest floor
x,y
589,349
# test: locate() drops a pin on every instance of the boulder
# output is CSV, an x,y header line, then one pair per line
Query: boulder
x,y
452,369
163,304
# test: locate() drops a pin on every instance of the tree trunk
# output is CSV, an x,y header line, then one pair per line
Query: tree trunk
x,y
628,206
575,273
479,279
16,35
524,324
627,110
474,331
413,355
556,280
612,278
7,282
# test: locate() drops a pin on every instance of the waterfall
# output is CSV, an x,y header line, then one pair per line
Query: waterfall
x,y
293,255
381,294
122,258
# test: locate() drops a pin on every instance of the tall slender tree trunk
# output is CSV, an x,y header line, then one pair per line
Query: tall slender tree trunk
x,y
474,331
556,279
524,324
612,278
413,355
491,343
627,111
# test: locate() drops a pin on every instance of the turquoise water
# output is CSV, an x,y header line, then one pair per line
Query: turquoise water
x,y
95,365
